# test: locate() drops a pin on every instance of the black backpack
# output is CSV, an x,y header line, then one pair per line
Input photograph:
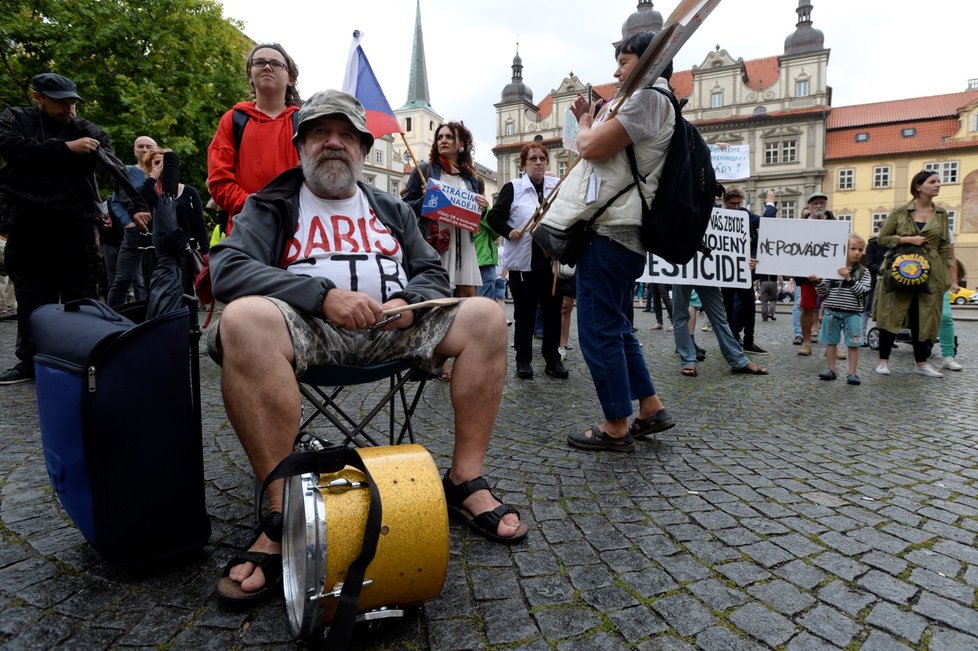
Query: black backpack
x,y
674,224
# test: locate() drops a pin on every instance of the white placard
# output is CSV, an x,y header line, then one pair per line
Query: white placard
x,y
799,247
727,265
731,163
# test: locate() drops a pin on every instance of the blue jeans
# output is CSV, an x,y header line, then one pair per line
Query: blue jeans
x,y
712,301
606,276
128,270
488,288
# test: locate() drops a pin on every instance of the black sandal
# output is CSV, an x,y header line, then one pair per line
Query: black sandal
x,y
643,428
230,591
601,440
485,524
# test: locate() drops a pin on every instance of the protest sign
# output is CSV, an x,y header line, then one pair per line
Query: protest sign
x,y
569,132
727,264
451,205
799,247
731,163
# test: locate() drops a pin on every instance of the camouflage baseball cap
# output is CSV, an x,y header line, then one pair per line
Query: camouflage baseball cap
x,y
334,102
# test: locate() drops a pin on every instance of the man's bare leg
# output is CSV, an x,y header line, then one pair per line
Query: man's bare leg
x,y
477,340
261,396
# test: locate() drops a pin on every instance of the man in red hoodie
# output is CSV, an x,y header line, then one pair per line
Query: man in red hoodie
x,y
253,142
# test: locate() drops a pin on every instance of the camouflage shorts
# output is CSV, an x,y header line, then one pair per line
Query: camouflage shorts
x,y
317,343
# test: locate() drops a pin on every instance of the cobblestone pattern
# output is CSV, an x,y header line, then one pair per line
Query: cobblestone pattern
x,y
783,512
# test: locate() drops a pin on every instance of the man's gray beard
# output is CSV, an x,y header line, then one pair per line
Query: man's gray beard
x,y
331,176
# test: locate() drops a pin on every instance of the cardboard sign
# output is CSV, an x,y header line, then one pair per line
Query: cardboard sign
x,y
727,265
451,205
799,247
732,163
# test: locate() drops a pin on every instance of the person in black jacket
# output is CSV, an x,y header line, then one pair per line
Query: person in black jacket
x,y
52,206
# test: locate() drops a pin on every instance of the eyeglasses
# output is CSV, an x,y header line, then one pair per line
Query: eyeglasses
x,y
536,159
275,64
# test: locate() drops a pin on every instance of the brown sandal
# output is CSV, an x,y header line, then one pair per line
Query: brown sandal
x,y
689,371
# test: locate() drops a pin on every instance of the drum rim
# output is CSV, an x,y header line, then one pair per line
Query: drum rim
x,y
303,551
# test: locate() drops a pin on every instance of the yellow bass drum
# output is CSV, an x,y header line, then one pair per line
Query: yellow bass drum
x,y
324,519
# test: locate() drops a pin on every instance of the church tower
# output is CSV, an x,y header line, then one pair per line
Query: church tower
x,y
418,119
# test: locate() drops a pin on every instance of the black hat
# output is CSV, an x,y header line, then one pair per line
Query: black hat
x,y
54,86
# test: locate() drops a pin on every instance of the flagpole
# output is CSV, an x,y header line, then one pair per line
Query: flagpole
x,y
414,160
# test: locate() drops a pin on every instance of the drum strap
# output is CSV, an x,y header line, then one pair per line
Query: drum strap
x,y
334,459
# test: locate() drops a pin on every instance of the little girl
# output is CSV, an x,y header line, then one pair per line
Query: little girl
x,y
843,309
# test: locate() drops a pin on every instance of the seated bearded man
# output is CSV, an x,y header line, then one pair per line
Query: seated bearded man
x,y
314,259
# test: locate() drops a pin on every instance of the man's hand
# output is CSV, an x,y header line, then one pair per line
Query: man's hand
x,y
142,220
407,317
84,145
770,196
351,310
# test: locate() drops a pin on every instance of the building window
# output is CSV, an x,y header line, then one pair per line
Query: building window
x,y
801,88
407,124
561,168
862,137
847,179
786,209
948,170
431,125
845,217
760,110
785,151
878,219
395,188
369,179
789,151
951,220
716,99
510,128
881,176
379,157
908,133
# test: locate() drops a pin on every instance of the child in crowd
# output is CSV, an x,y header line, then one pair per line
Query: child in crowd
x,y
843,306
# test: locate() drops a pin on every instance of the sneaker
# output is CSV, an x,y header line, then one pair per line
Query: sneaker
x,y
700,353
927,370
657,326
840,355
883,369
706,328
951,364
772,317
562,351
827,375
805,350
798,341
853,379
754,348
524,371
669,329
19,373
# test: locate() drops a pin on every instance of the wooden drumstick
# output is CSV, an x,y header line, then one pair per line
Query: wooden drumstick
x,y
434,302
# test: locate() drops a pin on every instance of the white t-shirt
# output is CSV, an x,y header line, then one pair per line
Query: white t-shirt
x,y
344,241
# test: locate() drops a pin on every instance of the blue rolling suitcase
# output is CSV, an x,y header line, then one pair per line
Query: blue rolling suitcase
x,y
119,410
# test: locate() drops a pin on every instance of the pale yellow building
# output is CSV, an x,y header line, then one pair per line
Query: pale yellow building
x,y
873,151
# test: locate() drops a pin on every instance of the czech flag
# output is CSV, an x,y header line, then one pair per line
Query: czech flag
x,y
361,82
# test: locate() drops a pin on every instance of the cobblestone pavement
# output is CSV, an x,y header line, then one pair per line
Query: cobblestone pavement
x,y
782,512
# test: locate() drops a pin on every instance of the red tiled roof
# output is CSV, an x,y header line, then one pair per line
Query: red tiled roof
x,y
546,106
762,73
901,110
888,138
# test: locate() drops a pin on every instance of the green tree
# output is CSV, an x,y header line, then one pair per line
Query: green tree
x,y
164,68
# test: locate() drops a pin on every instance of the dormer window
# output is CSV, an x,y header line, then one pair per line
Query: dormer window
x,y
510,128
759,110
908,133
862,137
716,99
801,88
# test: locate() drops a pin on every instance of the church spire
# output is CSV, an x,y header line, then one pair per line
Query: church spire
x,y
516,90
418,84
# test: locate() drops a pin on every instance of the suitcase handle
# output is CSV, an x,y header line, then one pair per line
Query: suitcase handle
x,y
107,312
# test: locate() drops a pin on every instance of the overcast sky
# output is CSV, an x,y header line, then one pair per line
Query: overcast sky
x,y
879,50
